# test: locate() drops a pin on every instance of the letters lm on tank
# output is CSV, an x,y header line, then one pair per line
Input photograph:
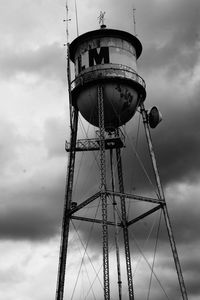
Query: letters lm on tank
x,y
93,57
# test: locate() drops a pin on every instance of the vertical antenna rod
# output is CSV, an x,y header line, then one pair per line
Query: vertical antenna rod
x,y
68,62
134,22
76,10
67,20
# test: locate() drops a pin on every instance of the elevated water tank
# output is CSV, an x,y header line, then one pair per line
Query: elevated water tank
x,y
107,57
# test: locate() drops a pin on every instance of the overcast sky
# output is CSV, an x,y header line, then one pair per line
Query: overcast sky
x,y
34,124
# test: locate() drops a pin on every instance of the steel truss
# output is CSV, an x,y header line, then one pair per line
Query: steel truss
x,y
101,144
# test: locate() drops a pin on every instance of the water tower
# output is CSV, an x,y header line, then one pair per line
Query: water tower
x,y
107,91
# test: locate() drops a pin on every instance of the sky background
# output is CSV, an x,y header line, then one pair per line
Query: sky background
x,y
34,124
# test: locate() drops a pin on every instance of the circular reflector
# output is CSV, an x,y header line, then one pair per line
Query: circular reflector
x,y
155,117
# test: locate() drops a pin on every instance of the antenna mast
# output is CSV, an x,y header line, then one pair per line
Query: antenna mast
x,y
76,10
134,22
67,20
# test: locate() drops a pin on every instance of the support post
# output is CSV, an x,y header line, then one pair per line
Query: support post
x,y
67,207
125,227
164,207
103,195
116,228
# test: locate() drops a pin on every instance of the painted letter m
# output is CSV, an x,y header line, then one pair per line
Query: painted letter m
x,y
99,57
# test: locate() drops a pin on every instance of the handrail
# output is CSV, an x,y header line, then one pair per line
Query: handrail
x,y
86,76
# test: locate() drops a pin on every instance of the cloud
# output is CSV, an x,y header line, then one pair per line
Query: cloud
x,y
54,135
32,210
9,138
192,274
30,24
171,43
31,194
25,266
177,142
47,62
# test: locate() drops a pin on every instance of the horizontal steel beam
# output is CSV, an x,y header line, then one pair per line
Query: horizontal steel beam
x,y
84,203
95,221
149,212
135,197
93,144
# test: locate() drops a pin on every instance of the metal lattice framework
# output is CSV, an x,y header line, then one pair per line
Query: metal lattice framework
x,y
125,227
101,144
103,195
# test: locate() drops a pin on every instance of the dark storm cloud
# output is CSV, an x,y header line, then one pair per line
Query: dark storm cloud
x,y
47,61
173,40
177,142
31,206
32,210
31,198
192,271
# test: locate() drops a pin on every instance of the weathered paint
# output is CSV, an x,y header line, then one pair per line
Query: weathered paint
x,y
120,103
107,50
110,61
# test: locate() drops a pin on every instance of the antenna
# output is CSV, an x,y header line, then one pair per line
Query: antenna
x,y
68,60
77,30
67,20
134,22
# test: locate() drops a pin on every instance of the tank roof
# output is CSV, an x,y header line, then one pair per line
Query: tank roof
x,y
104,32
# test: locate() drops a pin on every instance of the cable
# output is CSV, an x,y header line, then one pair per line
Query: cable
x,y
154,256
150,268
140,162
110,248
87,137
146,243
93,281
85,252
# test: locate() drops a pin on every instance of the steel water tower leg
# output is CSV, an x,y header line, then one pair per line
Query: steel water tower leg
x,y
67,206
125,228
103,194
164,207
116,228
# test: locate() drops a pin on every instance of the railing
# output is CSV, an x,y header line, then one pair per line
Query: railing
x,y
111,142
109,72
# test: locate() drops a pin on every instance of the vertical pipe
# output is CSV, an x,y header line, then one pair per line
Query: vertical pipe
x,y
125,228
103,194
164,207
116,228
67,206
